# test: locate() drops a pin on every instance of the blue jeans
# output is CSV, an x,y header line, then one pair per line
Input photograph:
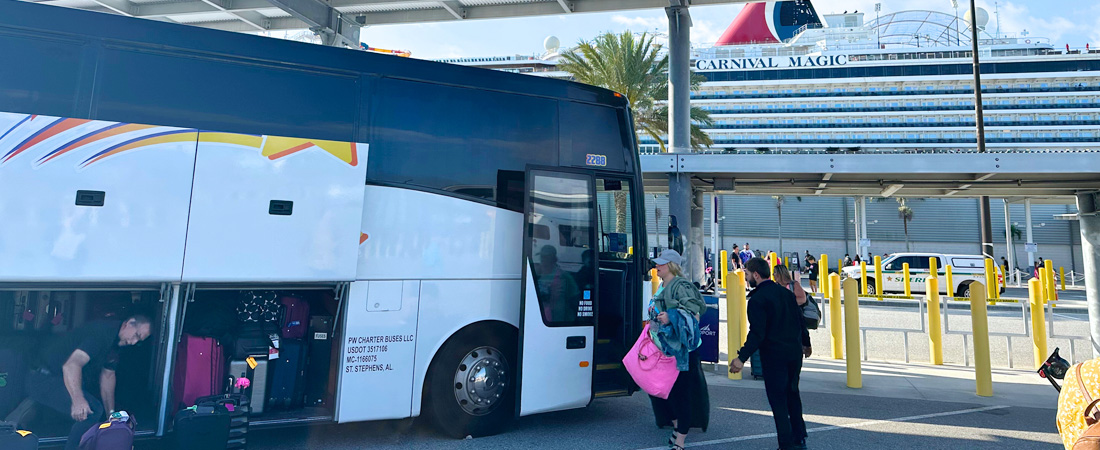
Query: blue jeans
x,y
49,391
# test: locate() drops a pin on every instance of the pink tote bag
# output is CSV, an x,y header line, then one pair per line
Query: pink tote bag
x,y
654,372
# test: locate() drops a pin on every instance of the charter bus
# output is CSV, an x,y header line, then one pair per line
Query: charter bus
x,y
464,238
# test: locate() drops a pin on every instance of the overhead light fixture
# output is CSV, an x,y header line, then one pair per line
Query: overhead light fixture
x,y
724,185
891,189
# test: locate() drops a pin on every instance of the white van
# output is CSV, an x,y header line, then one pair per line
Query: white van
x,y
965,269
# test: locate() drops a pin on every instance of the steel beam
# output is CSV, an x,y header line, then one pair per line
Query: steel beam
x,y
566,7
334,28
124,7
453,7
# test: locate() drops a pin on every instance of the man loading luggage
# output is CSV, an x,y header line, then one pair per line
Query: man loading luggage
x,y
58,379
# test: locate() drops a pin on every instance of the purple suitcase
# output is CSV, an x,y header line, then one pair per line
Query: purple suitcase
x,y
200,370
110,435
295,317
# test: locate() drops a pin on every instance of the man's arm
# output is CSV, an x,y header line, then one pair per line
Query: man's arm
x,y
107,389
72,373
758,324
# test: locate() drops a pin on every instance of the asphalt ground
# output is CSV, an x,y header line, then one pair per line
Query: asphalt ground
x,y
740,418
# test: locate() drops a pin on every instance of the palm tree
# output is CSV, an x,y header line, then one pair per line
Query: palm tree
x,y
634,67
779,200
905,213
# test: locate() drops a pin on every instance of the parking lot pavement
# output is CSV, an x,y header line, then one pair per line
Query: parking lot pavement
x,y
900,407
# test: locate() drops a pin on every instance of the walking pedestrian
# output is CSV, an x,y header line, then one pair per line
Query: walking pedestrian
x,y
812,272
785,278
674,322
777,330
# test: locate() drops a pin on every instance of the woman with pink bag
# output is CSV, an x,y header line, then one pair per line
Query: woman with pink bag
x,y
674,317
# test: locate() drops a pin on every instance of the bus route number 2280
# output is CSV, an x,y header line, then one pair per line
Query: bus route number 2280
x,y
595,160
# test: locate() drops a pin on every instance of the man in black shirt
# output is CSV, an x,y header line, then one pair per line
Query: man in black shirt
x,y
776,328
58,381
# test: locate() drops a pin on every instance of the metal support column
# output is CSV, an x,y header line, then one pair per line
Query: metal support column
x,y
1027,233
1009,246
169,338
696,256
1088,213
680,193
865,251
983,202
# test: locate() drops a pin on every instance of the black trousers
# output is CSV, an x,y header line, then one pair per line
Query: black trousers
x,y
781,384
49,391
681,404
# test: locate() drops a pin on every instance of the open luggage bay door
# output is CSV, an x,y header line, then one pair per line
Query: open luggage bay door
x,y
557,316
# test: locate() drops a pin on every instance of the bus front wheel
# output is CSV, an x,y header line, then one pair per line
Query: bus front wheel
x,y
471,384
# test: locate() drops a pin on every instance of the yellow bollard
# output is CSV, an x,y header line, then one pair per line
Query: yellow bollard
x,y
823,274
1050,279
990,280
1062,276
1044,284
933,267
836,331
654,281
983,372
740,280
840,266
1002,281
630,250
725,267
774,259
1038,321
863,276
905,273
878,277
735,308
950,287
935,330
851,334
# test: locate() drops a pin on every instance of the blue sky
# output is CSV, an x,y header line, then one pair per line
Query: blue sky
x,y
1073,22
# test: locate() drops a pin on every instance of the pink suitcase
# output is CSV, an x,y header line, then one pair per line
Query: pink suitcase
x,y
200,370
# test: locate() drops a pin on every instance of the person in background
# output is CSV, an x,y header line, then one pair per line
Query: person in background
x,y
812,272
785,278
746,254
806,259
856,261
678,302
1004,263
735,259
59,379
776,329
847,260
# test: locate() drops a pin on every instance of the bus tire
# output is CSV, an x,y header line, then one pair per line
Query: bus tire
x,y
484,407
964,290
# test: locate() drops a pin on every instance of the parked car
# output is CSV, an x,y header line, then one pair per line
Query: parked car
x,y
965,269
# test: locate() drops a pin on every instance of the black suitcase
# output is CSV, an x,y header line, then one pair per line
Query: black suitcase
x,y
285,388
253,339
202,427
239,407
13,371
320,361
757,367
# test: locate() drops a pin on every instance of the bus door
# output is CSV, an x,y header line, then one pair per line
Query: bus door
x,y
620,285
559,297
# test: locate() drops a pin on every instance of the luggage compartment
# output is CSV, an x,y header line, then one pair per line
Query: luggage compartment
x,y
90,200
290,379
274,209
32,318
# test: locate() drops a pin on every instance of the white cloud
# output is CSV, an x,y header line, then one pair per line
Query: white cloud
x,y
647,23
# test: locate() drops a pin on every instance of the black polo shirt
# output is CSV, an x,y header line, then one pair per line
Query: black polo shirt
x,y
98,338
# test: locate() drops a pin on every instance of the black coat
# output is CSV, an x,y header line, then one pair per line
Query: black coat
x,y
776,327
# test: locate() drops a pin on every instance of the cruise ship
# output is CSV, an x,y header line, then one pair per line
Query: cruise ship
x,y
784,78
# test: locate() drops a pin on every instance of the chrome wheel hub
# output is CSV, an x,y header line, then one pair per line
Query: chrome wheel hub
x,y
480,380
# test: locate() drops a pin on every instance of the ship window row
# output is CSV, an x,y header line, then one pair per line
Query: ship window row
x,y
900,137
897,107
1005,101
903,71
951,120
717,94
905,124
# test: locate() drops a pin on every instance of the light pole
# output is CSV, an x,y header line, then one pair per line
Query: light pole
x,y
983,202
958,34
878,25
